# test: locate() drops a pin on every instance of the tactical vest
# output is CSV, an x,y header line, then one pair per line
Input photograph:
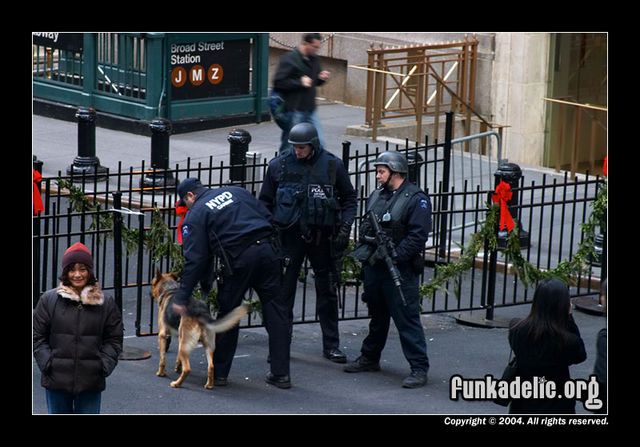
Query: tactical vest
x,y
306,192
391,212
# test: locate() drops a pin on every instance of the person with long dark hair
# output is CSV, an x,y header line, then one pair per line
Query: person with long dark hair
x,y
545,343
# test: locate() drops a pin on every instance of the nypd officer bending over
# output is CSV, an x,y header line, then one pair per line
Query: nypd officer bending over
x,y
230,223
313,204
404,213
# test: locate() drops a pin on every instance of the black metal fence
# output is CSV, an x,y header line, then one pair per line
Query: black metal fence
x,y
118,202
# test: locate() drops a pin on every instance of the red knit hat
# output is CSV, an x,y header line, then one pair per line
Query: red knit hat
x,y
77,253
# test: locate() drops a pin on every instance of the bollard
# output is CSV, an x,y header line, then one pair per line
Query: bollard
x,y
37,164
239,140
346,149
414,160
161,176
511,173
86,162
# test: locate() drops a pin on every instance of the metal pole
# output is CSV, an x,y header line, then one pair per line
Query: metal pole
x,y
139,272
512,174
346,148
161,176
117,249
491,286
128,352
239,140
86,162
445,182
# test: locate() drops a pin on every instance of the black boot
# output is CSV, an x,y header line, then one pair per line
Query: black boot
x,y
362,364
415,380
335,355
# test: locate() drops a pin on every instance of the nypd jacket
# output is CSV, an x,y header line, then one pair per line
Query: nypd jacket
x,y
223,219
313,192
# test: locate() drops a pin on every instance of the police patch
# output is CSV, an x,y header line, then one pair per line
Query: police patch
x,y
424,204
185,230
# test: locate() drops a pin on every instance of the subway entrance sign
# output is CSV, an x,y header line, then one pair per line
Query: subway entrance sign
x,y
208,69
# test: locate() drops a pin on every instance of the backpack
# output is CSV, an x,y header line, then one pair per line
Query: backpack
x,y
281,116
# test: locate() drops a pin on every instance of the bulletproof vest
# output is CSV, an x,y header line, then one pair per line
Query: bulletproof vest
x,y
390,212
306,192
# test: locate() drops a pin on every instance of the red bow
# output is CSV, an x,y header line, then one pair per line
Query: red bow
x,y
38,207
180,211
502,195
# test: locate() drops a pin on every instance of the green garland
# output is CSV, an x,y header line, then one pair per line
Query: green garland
x,y
566,270
158,242
157,239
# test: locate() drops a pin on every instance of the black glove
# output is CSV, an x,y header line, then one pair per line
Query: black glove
x,y
341,240
378,254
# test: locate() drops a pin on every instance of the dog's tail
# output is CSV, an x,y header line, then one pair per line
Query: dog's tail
x,y
225,323
229,320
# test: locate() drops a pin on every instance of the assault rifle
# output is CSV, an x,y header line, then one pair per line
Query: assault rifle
x,y
387,251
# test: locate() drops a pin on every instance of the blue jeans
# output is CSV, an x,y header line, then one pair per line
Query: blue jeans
x,y
62,402
298,116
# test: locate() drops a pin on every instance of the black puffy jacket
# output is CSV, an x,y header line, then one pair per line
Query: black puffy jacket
x,y
76,339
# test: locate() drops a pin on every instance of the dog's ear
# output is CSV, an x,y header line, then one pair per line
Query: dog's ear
x,y
174,275
158,274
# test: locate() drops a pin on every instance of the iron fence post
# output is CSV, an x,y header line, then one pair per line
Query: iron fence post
x,y
491,285
128,352
139,274
444,204
36,259
117,249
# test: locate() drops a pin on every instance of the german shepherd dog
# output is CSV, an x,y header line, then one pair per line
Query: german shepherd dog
x,y
198,325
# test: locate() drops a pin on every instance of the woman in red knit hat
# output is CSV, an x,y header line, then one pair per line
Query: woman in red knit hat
x,y
77,336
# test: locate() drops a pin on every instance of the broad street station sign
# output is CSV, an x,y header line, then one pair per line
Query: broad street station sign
x,y
209,69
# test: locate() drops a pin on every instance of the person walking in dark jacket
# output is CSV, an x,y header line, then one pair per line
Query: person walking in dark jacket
x,y
77,337
545,343
296,78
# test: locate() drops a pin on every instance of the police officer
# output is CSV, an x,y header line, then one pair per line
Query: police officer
x,y
313,203
230,223
404,213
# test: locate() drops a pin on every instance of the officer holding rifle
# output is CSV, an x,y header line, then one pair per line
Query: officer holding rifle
x,y
392,238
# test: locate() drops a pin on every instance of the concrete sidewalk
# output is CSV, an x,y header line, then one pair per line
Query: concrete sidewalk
x,y
319,386
55,141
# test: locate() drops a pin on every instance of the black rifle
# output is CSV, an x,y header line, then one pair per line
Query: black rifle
x,y
387,251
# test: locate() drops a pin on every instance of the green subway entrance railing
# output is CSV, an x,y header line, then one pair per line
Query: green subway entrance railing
x,y
178,76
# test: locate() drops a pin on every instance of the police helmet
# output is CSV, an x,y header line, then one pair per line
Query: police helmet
x,y
304,133
395,161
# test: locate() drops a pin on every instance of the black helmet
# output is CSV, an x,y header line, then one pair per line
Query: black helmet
x,y
304,133
395,161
